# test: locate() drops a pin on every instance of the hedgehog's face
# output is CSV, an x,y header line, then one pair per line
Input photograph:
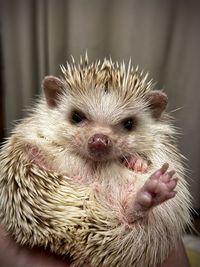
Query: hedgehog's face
x,y
100,125
103,139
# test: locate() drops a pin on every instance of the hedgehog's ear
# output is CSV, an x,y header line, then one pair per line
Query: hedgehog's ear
x,y
157,102
53,87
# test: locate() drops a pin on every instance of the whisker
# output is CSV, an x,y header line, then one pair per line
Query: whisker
x,y
125,158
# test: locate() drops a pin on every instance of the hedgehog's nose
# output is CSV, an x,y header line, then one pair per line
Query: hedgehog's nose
x,y
99,145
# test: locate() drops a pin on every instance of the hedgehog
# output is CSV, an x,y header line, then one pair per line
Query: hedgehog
x,y
93,171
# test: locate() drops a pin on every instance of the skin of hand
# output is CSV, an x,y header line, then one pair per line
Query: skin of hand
x,y
177,258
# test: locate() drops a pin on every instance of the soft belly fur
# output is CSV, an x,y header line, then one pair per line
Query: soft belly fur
x,y
82,213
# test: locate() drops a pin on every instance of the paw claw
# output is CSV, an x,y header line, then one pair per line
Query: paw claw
x,y
164,168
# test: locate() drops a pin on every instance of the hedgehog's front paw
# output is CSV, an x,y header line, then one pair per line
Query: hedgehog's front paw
x,y
136,164
157,189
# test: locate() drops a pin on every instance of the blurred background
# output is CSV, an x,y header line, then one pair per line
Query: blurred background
x,y
162,37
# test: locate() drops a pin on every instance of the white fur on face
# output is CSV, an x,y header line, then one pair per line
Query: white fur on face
x,y
104,112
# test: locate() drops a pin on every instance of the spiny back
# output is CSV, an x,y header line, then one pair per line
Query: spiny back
x,y
111,76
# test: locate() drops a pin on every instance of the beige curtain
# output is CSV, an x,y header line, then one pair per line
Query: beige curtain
x,y
163,37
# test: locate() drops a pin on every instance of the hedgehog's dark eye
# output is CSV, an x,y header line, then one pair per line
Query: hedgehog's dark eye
x,y
128,124
77,117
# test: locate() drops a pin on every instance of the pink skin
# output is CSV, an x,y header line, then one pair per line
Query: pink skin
x,y
157,189
136,164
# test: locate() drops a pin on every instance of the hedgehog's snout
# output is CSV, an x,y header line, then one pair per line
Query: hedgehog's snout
x,y
99,146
